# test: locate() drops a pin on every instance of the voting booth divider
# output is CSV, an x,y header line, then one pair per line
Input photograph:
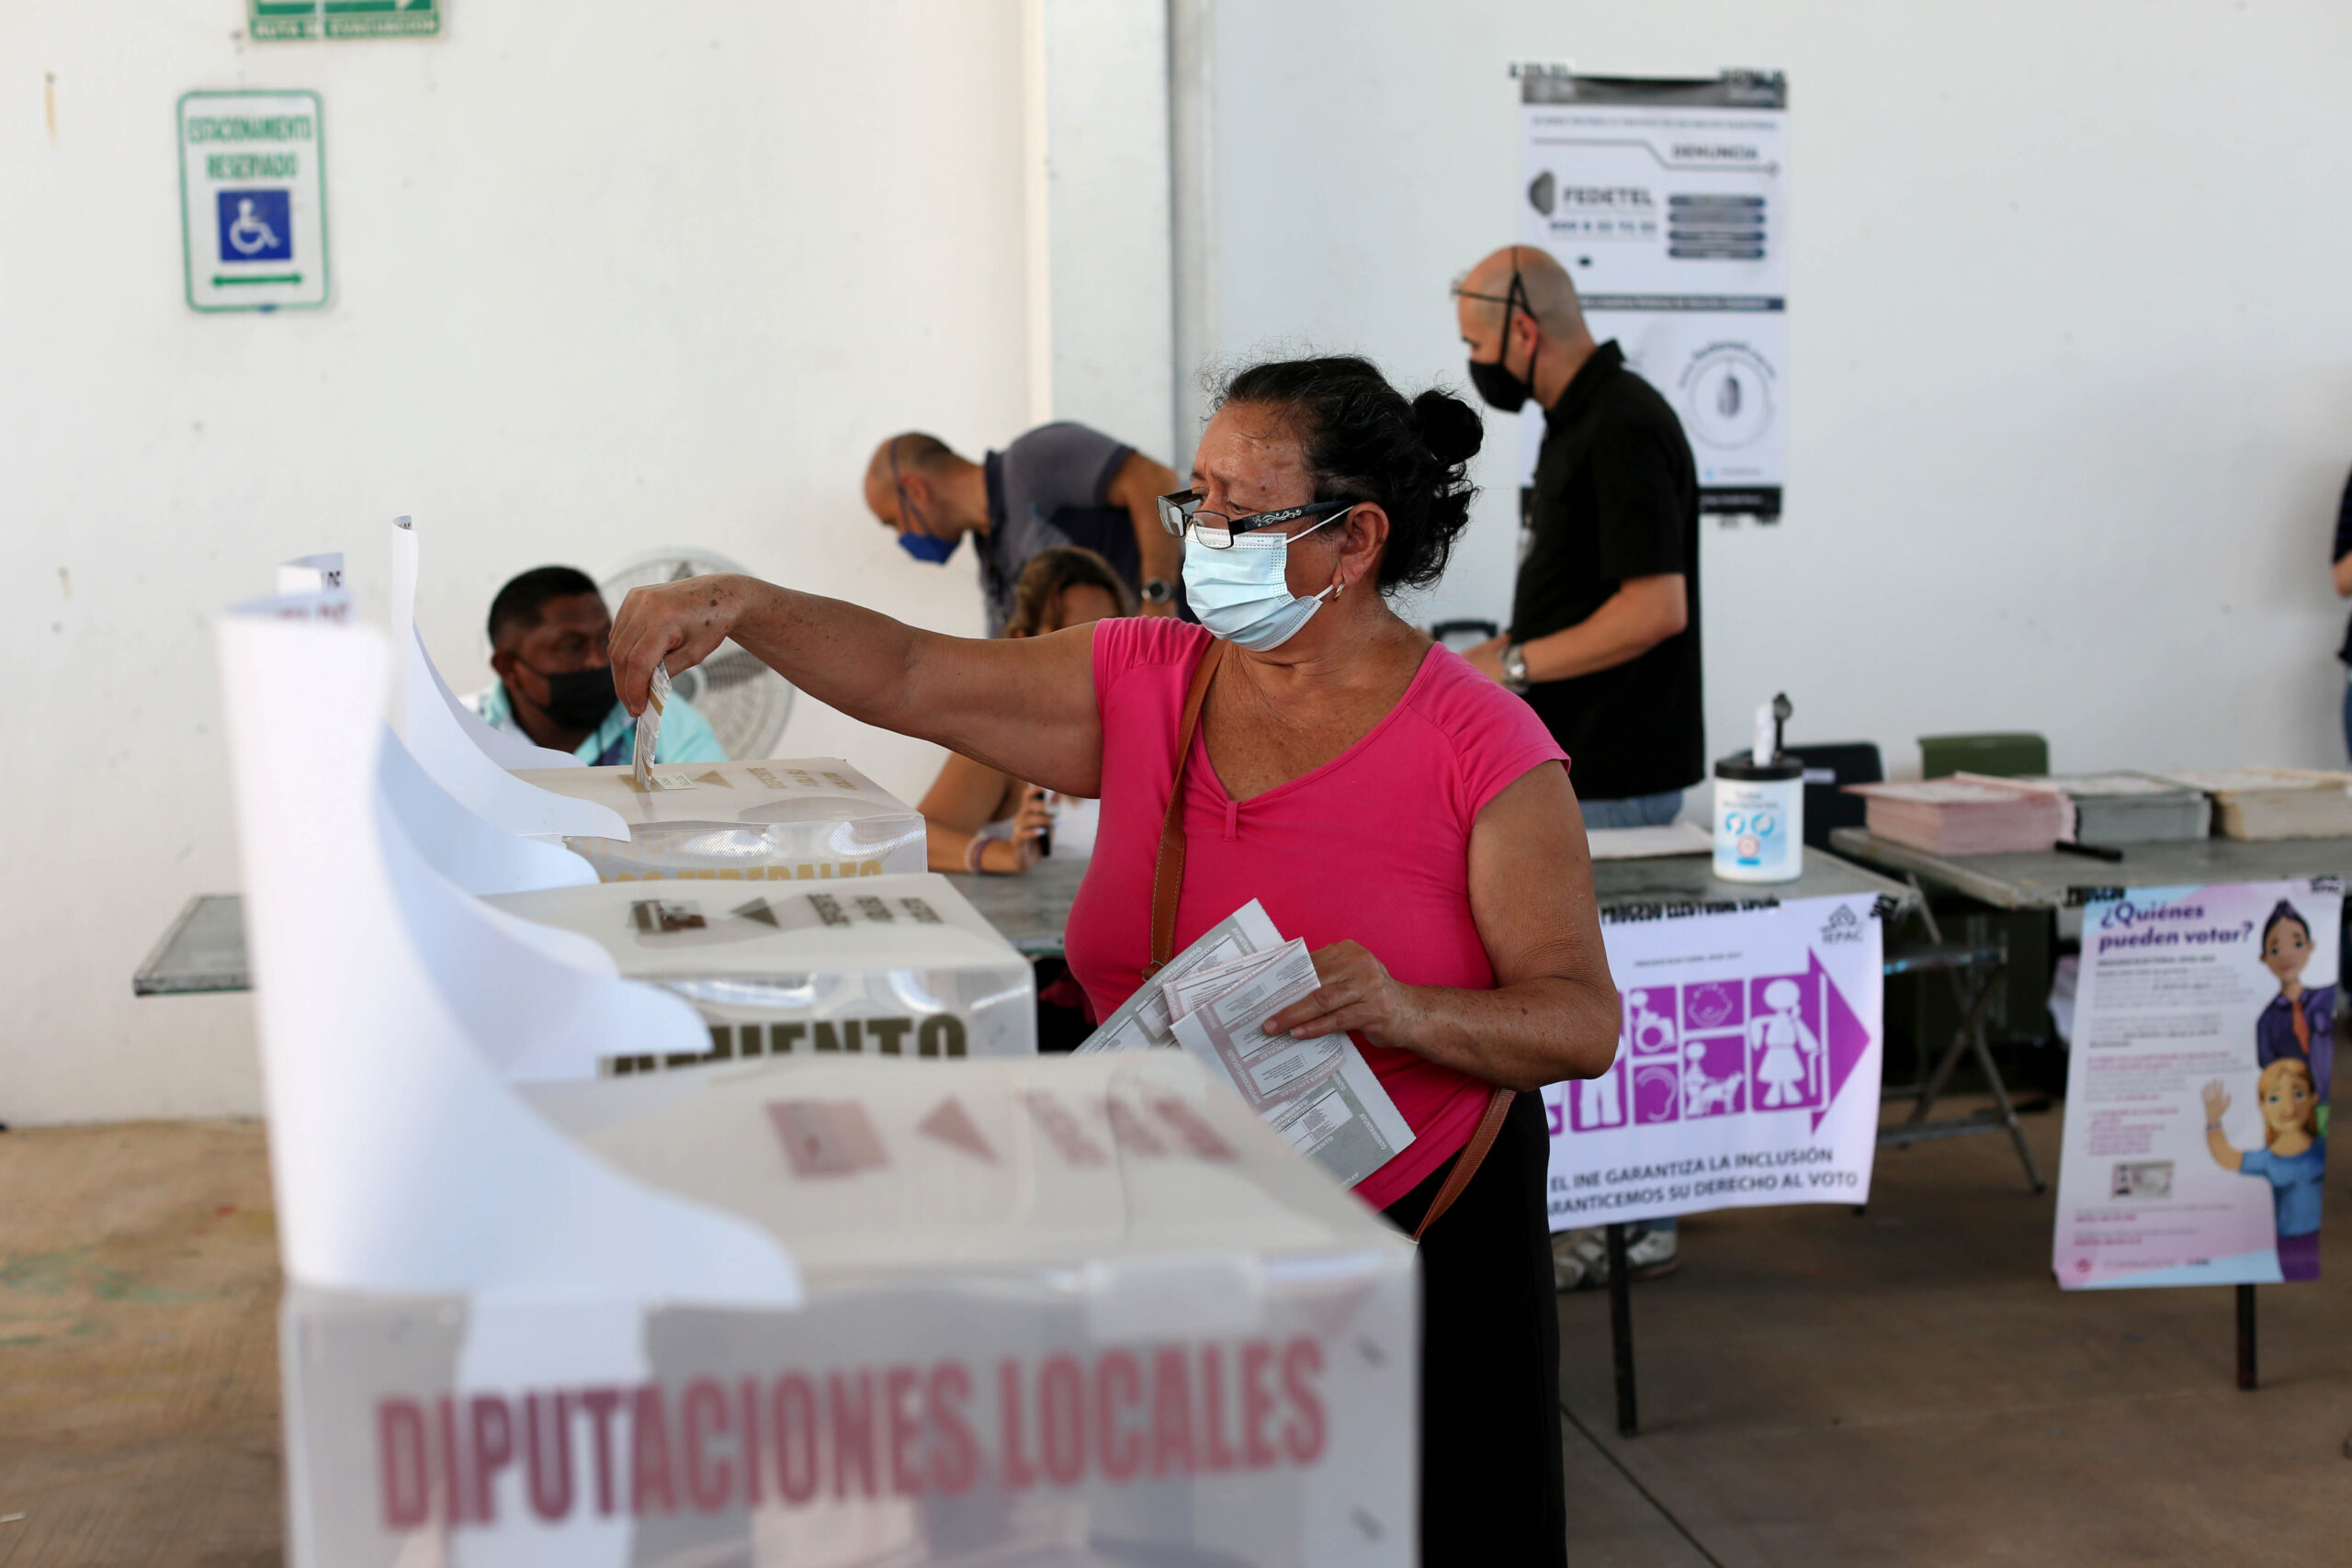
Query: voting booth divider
x,y
800,1309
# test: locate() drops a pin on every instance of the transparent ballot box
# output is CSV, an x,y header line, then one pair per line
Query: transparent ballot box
x,y
811,820
1055,1312
888,966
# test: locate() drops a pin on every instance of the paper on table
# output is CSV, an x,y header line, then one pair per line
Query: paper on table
x,y
648,726
1649,843
1142,1019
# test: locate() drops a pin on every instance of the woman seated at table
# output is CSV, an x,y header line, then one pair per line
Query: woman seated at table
x,y
981,817
1307,747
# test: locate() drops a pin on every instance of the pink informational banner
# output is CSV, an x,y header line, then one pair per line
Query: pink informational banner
x,y
2196,1138
1746,1073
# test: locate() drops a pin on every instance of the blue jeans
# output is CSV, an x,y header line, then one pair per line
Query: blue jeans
x,y
1657,810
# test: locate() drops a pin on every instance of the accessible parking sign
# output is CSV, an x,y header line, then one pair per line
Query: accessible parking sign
x,y
253,200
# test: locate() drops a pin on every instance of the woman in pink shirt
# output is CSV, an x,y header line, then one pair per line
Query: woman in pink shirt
x,y
1408,818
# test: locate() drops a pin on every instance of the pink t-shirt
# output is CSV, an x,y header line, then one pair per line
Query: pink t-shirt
x,y
1373,846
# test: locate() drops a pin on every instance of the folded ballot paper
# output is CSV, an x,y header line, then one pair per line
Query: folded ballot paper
x,y
794,1311
1212,1001
888,967
778,820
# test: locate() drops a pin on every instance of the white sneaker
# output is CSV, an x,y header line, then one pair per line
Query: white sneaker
x,y
1580,1257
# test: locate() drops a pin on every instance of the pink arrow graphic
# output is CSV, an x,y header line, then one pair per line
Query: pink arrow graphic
x,y
1848,1037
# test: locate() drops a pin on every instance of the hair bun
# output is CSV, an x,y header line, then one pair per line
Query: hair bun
x,y
1450,427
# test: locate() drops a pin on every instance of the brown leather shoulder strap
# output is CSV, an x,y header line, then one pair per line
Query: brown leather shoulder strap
x,y
1168,873
1466,1163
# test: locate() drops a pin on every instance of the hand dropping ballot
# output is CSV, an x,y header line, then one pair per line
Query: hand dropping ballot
x,y
648,736
1212,1001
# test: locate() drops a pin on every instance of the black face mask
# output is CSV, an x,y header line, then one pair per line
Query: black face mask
x,y
579,699
1492,377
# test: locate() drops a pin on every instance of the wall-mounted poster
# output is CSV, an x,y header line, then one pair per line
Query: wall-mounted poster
x,y
1748,1067
1667,200
2196,1138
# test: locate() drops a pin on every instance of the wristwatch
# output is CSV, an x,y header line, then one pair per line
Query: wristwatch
x,y
1159,591
1515,668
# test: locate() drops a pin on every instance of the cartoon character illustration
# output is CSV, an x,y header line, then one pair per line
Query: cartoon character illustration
x,y
2296,1026
2293,1157
1784,1072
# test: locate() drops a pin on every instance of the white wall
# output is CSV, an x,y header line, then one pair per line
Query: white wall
x,y
2071,346
605,278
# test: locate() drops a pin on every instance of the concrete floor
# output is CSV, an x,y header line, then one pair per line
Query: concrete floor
x,y
1817,1389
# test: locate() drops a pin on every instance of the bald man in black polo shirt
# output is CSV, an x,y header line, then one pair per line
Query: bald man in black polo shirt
x,y
1604,631
1604,621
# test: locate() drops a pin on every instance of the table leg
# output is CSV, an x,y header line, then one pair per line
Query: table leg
x,y
1620,1332
2245,1338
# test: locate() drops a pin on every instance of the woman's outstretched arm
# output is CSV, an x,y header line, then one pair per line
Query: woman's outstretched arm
x,y
1021,704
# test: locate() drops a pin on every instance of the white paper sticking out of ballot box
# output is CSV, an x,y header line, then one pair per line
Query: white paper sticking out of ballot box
x,y
784,819
894,966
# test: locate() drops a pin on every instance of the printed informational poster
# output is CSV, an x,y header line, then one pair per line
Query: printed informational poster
x,y
2196,1138
1746,1073
267,19
1668,203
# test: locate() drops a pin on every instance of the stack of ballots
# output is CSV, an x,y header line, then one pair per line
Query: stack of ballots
x,y
798,1309
2276,803
2132,808
1212,1001
803,819
1967,814
892,966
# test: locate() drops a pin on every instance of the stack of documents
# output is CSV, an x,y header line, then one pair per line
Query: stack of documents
x,y
1212,1001
1967,814
886,966
2276,803
2133,809
778,820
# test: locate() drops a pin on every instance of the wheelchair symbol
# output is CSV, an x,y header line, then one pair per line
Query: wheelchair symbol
x,y
256,226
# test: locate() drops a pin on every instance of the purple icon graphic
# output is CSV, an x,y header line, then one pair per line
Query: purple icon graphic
x,y
1714,1071
1649,1021
1599,1103
1784,1041
1711,1004
1657,1097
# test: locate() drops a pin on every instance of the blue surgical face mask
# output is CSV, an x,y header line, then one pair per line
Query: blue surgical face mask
x,y
923,547
1242,593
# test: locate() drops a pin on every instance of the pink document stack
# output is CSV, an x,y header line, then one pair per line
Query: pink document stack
x,y
1968,814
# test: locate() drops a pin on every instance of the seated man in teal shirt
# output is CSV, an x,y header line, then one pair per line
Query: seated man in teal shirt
x,y
547,630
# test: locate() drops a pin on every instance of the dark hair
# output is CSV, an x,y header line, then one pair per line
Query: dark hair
x,y
1364,442
1049,575
521,599
2285,911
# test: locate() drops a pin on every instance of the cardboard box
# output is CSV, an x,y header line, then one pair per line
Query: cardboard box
x,y
1066,1311
890,966
806,819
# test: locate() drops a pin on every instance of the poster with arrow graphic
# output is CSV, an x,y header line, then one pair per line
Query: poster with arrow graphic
x,y
1748,1067
1666,201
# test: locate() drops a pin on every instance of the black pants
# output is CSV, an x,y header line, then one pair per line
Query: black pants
x,y
1492,1491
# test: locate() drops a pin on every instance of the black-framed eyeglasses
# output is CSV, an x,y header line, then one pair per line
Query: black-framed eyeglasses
x,y
1180,513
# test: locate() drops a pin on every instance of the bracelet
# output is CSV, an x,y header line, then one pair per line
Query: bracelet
x,y
972,855
2212,1126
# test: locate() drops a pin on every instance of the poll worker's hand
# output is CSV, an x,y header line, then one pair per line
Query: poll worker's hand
x,y
678,623
1487,659
1357,993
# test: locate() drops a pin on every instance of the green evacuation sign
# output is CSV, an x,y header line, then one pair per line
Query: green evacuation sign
x,y
343,19
253,200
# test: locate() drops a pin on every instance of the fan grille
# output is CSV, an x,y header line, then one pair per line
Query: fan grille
x,y
747,703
